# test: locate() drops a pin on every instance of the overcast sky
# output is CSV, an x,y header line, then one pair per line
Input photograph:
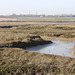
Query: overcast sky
x,y
8,7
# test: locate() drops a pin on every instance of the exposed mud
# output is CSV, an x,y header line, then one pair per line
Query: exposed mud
x,y
32,41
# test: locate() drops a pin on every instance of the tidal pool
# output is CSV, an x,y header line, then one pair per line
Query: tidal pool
x,y
58,47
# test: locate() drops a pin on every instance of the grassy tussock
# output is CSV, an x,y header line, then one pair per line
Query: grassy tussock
x,y
30,41
14,60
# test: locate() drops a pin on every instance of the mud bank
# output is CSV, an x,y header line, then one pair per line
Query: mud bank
x,y
61,38
31,41
73,51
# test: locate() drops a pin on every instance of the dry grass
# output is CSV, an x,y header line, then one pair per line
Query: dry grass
x,y
73,51
63,30
8,19
19,62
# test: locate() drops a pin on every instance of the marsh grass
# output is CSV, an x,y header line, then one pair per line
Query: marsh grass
x,y
16,61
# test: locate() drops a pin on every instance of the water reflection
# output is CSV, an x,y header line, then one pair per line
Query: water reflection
x,y
58,47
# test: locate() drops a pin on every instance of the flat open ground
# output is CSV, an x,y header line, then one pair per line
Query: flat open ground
x,y
19,61
38,19
46,18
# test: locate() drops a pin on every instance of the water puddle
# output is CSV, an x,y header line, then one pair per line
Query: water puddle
x,y
58,47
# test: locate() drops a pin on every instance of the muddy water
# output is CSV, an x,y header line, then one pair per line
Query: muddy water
x,y
58,47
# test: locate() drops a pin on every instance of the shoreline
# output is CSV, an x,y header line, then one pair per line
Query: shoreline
x,y
63,39
49,37
31,41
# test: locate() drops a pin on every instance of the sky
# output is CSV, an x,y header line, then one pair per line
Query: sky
x,y
47,7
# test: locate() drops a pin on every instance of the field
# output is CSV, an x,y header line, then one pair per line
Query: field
x,y
46,19
60,30
8,19
38,19
18,61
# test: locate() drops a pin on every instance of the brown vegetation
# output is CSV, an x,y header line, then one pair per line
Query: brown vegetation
x,y
8,19
16,61
31,41
20,62
73,51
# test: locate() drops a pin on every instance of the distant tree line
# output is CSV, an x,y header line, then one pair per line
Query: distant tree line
x,y
31,15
